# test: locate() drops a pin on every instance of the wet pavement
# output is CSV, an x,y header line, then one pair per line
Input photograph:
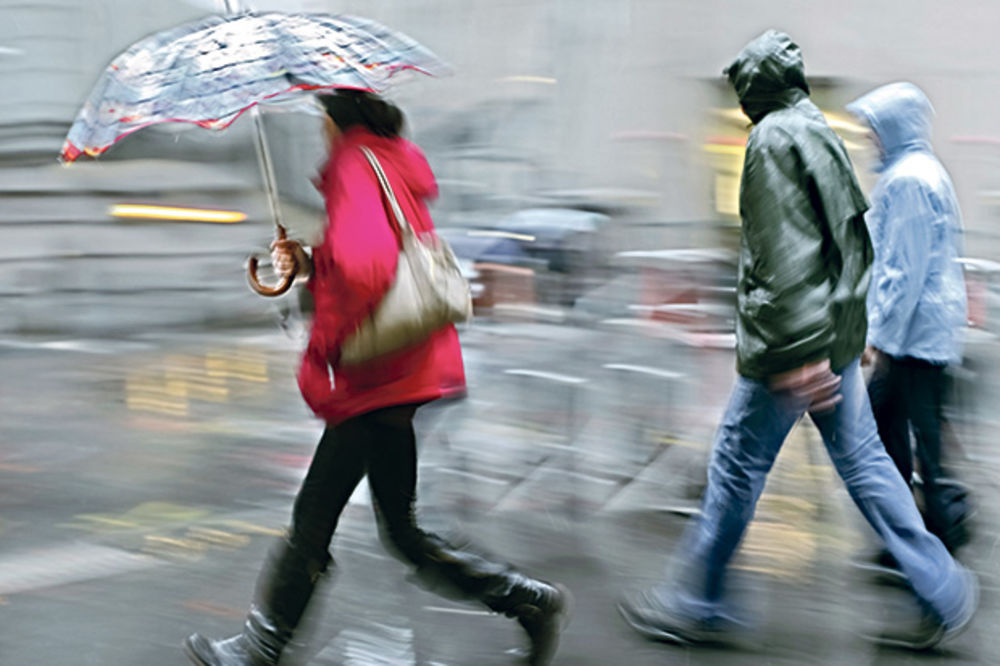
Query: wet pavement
x,y
142,480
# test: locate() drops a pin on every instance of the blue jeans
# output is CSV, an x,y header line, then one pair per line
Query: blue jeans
x,y
753,429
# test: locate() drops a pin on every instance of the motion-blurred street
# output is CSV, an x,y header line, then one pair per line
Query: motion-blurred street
x,y
588,157
143,479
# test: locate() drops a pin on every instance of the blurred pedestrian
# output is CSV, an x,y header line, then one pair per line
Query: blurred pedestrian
x,y
916,302
803,278
369,407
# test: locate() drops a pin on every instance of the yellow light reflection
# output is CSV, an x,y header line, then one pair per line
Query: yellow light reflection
x,y
724,149
837,120
176,214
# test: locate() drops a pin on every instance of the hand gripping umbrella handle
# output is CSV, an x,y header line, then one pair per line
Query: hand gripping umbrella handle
x,y
286,282
277,290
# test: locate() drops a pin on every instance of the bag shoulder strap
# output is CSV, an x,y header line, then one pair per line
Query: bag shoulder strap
x,y
397,212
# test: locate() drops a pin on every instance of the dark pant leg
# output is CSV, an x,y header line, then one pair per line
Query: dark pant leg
x,y
926,386
440,566
296,562
925,392
887,393
392,477
337,467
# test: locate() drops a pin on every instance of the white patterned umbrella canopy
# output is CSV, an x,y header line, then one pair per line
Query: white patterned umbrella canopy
x,y
209,72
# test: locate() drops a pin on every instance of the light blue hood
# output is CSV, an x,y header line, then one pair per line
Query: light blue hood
x,y
916,300
901,117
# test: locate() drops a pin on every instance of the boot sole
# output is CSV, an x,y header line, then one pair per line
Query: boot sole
x,y
192,655
561,618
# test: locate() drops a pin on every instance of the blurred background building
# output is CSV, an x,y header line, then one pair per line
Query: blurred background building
x,y
611,106
588,154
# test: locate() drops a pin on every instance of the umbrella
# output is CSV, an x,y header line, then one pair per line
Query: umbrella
x,y
210,72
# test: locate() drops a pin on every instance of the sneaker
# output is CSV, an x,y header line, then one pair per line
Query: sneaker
x,y
972,583
924,635
651,618
930,631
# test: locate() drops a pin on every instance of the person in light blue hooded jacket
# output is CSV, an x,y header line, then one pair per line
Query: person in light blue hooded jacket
x,y
916,299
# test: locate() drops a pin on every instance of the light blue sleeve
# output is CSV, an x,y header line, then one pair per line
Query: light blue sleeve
x,y
904,258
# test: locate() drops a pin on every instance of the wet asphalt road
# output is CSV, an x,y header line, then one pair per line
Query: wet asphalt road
x,y
142,480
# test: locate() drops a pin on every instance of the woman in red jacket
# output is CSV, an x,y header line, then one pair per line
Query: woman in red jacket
x,y
369,408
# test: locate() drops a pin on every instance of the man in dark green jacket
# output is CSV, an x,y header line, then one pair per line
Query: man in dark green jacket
x,y
803,279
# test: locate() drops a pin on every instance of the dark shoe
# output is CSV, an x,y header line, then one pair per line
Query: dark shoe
x,y
232,651
543,620
950,512
648,616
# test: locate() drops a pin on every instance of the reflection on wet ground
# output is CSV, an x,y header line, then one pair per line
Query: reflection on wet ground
x,y
143,479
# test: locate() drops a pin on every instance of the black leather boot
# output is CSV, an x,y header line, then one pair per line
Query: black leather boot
x,y
284,588
227,652
543,618
542,609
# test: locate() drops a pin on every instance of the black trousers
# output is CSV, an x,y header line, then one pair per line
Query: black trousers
x,y
908,392
382,445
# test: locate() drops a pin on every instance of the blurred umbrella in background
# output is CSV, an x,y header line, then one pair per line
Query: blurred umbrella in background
x,y
485,246
209,72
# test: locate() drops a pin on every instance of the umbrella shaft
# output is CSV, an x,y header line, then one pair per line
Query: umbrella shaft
x,y
267,170
263,150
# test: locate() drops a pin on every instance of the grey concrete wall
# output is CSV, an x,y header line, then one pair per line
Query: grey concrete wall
x,y
547,95
627,67
597,70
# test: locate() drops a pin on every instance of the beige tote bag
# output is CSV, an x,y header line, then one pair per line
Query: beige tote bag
x,y
427,294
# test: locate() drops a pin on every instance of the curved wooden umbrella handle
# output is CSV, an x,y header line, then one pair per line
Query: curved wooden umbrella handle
x,y
277,290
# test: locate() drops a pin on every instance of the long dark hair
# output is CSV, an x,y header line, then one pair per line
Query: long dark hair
x,y
348,108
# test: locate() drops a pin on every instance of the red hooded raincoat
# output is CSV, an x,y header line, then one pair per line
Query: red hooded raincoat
x,y
353,268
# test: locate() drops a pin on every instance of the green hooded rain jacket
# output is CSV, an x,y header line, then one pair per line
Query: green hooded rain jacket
x,y
804,247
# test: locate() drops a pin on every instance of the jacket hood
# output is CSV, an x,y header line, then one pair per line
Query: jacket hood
x,y
900,115
397,154
768,74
